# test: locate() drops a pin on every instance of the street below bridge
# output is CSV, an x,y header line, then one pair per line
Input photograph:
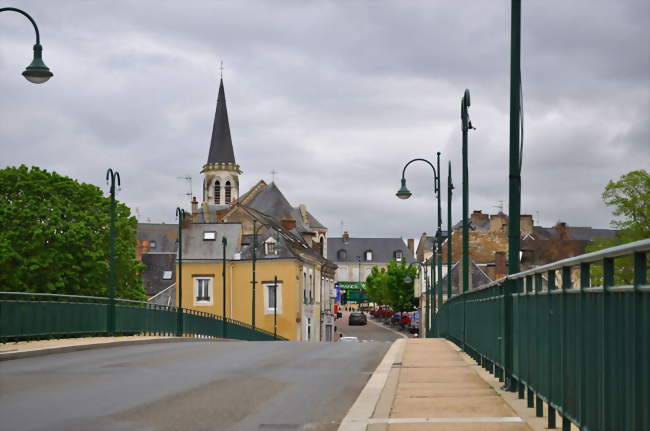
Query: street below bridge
x,y
193,385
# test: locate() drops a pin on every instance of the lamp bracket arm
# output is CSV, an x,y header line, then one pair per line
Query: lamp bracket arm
x,y
22,12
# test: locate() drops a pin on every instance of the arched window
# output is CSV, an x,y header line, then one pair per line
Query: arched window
x,y
368,255
322,246
217,192
228,192
341,255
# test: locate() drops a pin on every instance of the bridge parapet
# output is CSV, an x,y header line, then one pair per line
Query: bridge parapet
x,y
576,335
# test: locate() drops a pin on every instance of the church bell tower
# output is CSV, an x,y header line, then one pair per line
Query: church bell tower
x,y
221,173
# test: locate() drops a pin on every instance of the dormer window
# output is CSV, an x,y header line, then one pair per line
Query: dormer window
x,y
269,247
209,236
398,255
167,275
152,244
341,255
368,255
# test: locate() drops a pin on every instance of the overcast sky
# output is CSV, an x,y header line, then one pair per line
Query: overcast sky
x,y
336,97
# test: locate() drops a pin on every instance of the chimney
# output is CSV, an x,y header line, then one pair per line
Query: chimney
x,y
195,210
498,222
346,237
526,224
562,230
500,262
479,219
411,244
288,223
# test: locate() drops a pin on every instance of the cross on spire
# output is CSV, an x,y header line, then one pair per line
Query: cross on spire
x,y
273,173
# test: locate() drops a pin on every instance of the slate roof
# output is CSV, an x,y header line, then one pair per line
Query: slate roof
x,y
271,201
196,248
573,232
221,150
156,264
382,249
165,297
163,234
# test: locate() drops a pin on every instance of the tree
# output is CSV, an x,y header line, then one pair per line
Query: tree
x,y
54,234
386,286
630,197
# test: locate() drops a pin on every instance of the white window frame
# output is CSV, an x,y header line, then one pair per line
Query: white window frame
x,y
209,235
196,290
268,285
368,255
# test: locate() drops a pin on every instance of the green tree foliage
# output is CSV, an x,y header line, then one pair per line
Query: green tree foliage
x,y
386,286
630,197
54,234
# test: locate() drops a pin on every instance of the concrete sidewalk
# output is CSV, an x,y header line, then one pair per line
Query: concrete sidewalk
x,y
428,384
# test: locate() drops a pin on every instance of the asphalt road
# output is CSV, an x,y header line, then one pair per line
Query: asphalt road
x,y
189,386
369,332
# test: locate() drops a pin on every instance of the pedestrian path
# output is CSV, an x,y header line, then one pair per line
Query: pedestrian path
x,y
427,384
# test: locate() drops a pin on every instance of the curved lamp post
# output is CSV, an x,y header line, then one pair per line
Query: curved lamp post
x,y
37,72
404,193
110,324
466,125
254,282
180,213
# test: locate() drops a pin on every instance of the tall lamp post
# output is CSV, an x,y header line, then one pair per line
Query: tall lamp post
x,y
180,213
275,307
37,72
425,275
404,193
224,241
110,324
466,125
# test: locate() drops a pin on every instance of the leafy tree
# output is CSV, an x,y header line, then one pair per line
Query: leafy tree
x,y
386,286
630,197
54,236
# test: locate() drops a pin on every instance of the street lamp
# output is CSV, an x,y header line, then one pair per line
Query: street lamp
x,y
466,125
277,246
110,324
180,213
450,187
224,241
404,193
275,307
37,72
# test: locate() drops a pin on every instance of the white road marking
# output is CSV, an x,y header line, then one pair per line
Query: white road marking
x,y
506,419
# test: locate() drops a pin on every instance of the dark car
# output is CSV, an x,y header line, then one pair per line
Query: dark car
x,y
357,318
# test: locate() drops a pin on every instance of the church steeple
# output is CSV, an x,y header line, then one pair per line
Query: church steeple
x,y
221,173
221,144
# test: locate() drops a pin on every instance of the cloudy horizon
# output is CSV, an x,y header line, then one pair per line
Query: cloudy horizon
x,y
336,97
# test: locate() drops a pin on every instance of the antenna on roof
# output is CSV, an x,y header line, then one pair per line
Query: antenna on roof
x,y
500,206
189,181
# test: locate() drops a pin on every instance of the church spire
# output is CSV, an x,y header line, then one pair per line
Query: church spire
x,y
221,144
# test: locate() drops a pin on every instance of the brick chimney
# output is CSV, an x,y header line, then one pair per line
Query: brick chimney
x,y
526,224
479,219
195,210
411,244
561,228
289,223
346,237
500,262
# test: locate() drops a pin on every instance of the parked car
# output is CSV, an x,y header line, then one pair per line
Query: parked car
x,y
414,328
395,318
357,318
348,340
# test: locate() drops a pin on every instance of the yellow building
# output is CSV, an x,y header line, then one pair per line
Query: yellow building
x,y
266,237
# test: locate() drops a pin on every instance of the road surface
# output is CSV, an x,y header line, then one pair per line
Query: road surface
x,y
227,385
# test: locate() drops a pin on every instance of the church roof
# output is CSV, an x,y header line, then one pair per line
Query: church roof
x,y
221,144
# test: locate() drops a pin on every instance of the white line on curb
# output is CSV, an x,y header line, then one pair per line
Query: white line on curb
x,y
506,419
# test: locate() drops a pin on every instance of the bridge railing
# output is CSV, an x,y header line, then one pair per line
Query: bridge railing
x,y
38,315
579,337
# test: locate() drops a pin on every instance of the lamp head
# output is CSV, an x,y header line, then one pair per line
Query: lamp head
x,y
408,280
37,72
403,192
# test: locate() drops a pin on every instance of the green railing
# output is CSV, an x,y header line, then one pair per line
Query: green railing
x,y
38,315
579,339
